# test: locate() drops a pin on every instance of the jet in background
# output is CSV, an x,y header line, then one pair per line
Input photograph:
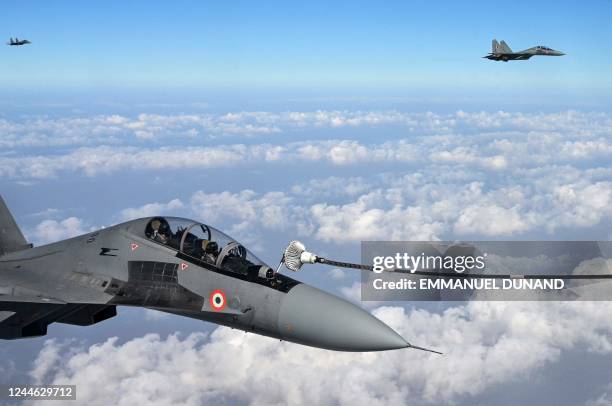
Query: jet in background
x,y
502,52
17,42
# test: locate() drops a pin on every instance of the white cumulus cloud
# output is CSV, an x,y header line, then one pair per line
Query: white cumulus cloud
x,y
151,209
53,230
235,367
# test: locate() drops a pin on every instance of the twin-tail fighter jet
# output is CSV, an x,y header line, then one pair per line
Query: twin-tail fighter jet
x,y
17,42
177,266
502,52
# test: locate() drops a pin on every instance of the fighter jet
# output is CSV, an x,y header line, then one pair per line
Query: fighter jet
x,y
17,42
173,265
502,52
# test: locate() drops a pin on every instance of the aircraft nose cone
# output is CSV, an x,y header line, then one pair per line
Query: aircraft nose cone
x,y
312,317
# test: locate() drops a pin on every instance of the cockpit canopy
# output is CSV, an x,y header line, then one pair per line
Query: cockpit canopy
x,y
543,48
202,243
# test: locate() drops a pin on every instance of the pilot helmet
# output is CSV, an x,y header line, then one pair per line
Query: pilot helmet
x,y
155,224
210,247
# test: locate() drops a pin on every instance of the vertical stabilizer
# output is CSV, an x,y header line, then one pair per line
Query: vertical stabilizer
x,y
11,238
494,47
504,48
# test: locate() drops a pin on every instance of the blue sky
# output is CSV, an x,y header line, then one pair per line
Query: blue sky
x,y
368,47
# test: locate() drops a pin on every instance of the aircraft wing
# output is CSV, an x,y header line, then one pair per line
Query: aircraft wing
x,y
22,317
28,299
509,57
518,56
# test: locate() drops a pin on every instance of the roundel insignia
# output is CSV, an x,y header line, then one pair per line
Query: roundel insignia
x,y
133,246
217,300
184,266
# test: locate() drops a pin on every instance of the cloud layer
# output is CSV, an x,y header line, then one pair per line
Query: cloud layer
x,y
485,141
369,175
412,208
461,175
118,129
234,367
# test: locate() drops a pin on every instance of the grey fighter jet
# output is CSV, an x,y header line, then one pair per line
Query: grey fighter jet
x,y
173,265
502,52
18,42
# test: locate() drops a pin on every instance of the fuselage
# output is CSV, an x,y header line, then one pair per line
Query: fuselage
x,y
523,55
129,265
18,43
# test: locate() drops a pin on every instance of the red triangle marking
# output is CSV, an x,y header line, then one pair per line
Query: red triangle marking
x,y
134,246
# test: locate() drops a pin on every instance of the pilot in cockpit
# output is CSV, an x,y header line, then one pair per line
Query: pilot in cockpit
x,y
160,231
210,251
